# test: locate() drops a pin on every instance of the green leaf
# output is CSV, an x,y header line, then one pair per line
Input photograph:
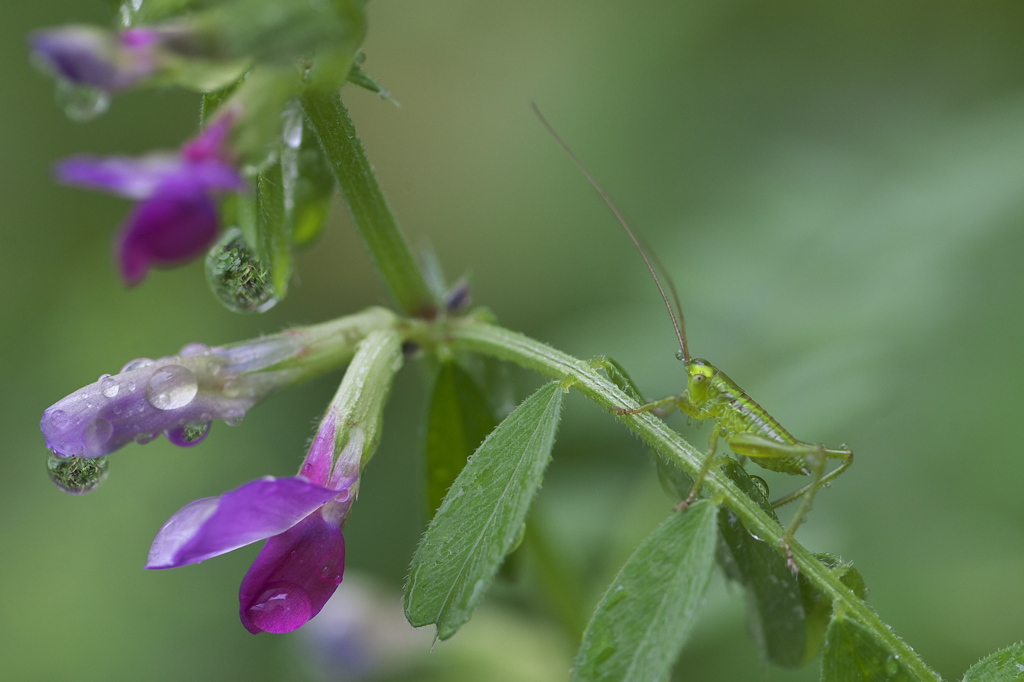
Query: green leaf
x,y
481,518
645,616
1005,665
777,617
818,605
854,654
458,420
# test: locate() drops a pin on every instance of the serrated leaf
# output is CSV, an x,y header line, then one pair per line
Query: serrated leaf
x,y
458,420
777,616
1005,665
854,654
645,616
482,517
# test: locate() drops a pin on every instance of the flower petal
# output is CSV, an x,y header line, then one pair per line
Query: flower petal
x,y
294,575
134,178
142,177
170,228
215,525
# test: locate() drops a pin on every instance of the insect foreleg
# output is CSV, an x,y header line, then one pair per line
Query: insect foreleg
x,y
618,376
659,407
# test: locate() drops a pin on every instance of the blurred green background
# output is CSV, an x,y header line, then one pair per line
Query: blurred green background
x,y
837,189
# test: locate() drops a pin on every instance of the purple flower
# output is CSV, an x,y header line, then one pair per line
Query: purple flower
x,y
178,395
303,560
176,218
86,56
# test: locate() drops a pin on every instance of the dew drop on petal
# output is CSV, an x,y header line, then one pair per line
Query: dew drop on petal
x,y
109,386
137,363
281,609
234,417
188,435
59,418
194,350
143,438
77,475
171,387
81,102
97,434
236,277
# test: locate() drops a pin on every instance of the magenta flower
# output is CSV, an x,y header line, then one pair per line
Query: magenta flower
x,y
92,57
303,561
176,218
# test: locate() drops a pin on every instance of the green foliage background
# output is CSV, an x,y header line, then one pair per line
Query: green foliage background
x,y
838,191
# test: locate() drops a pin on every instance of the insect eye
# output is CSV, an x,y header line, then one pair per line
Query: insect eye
x,y
699,378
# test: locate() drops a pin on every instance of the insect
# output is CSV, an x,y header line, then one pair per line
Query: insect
x,y
745,426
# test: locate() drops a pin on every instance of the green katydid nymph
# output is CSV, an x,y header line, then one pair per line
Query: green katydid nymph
x,y
745,426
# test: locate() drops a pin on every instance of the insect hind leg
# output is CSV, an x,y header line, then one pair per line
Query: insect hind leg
x,y
795,458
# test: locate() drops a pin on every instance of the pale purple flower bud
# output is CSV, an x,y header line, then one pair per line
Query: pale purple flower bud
x,y
176,218
87,56
179,395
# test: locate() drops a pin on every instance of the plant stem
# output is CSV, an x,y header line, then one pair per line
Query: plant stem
x,y
374,220
479,337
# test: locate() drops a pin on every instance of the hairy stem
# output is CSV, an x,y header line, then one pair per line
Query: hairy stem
x,y
373,218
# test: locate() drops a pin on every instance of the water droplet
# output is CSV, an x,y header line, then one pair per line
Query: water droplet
x,y
188,435
143,438
137,363
97,434
77,475
291,129
109,386
59,418
233,388
171,387
892,665
281,609
680,355
194,350
761,484
615,596
81,102
234,417
236,277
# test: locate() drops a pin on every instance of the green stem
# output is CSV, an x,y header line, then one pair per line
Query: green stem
x,y
366,201
479,337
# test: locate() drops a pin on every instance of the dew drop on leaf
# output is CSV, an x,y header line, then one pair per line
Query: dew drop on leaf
x,y
236,277
77,475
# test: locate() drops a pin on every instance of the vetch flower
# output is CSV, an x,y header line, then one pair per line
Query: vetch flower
x,y
178,395
303,560
93,57
176,218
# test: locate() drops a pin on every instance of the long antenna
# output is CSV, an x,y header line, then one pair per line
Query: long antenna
x,y
677,313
